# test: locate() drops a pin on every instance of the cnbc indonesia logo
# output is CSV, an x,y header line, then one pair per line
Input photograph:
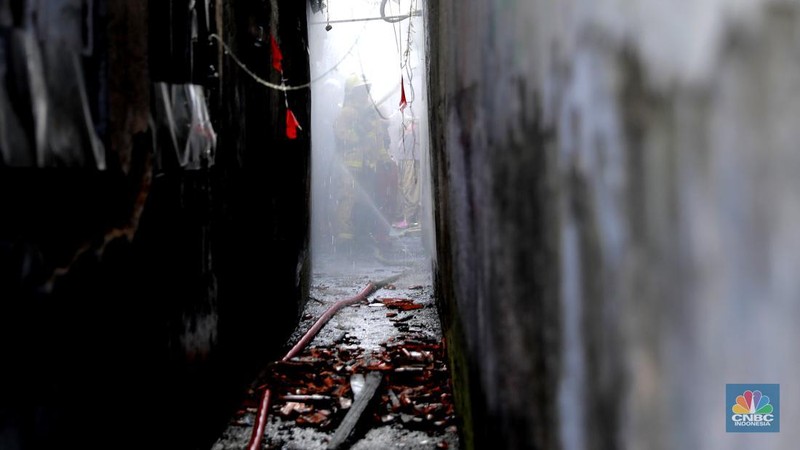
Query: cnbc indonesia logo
x,y
753,410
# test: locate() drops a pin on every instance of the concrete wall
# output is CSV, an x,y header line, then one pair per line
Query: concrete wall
x,y
618,204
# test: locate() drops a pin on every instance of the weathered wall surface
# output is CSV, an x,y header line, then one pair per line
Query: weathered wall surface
x,y
138,299
618,202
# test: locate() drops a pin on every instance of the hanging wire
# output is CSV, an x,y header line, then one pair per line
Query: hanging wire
x,y
395,24
346,55
369,91
408,38
328,27
278,87
402,81
405,66
398,33
283,87
410,74
387,19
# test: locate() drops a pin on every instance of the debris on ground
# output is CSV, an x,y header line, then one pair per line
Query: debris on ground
x,y
403,304
314,388
399,339
363,397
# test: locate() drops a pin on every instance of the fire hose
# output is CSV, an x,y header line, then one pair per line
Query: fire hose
x,y
263,408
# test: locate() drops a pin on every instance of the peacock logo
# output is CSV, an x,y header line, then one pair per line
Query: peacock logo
x,y
754,407
752,402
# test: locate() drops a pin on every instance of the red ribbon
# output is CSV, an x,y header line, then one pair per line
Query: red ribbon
x,y
291,125
403,102
277,56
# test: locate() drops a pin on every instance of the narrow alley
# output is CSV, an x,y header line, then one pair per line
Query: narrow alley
x,y
395,333
399,224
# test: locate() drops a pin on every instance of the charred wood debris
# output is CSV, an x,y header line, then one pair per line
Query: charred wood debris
x,y
316,388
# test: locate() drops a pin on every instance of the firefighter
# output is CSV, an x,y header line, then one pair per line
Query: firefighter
x,y
361,141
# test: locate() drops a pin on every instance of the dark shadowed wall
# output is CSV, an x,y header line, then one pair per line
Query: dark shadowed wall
x,y
138,299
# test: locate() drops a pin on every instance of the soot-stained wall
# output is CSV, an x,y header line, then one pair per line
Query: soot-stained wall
x,y
617,212
139,299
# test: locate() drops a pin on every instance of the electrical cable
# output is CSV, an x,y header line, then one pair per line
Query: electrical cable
x,y
328,27
277,87
383,14
284,87
407,53
395,32
369,91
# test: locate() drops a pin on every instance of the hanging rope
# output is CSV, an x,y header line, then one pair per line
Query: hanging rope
x,y
259,80
283,87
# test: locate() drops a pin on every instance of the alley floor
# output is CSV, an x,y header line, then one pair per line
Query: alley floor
x,y
395,335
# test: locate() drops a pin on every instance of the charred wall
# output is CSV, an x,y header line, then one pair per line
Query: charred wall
x,y
143,294
613,198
